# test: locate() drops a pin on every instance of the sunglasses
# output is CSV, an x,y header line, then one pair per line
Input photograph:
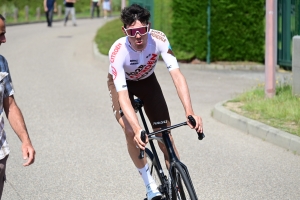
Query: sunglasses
x,y
131,32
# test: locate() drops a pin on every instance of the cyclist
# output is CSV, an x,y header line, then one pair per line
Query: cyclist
x,y
131,73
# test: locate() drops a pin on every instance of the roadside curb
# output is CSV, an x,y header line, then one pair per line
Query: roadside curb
x,y
257,129
212,66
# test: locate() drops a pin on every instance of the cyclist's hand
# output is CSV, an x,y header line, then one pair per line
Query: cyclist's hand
x,y
199,124
138,142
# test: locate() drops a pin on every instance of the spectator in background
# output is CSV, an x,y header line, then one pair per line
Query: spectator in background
x,y
95,6
106,8
49,7
70,8
13,114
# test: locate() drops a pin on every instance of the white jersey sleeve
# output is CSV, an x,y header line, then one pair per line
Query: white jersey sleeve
x,y
117,55
165,49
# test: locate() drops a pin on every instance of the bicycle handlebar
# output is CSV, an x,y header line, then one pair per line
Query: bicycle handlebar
x,y
192,121
143,138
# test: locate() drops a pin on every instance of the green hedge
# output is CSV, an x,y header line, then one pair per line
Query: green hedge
x,y
189,29
237,29
163,16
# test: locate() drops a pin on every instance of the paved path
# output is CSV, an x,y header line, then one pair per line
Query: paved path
x,y
81,152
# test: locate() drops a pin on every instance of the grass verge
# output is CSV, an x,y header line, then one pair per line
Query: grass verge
x,y
108,34
282,111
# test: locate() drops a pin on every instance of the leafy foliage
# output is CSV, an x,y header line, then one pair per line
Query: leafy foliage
x,y
237,29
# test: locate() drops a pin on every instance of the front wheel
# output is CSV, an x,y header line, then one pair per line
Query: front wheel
x,y
182,186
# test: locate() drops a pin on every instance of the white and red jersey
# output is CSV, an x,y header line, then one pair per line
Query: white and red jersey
x,y
129,64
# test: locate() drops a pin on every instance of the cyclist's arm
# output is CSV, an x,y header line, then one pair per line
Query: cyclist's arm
x,y
182,90
184,95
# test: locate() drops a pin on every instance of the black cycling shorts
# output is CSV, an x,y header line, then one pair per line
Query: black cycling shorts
x,y
149,91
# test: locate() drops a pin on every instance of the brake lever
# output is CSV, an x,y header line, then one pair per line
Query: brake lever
x,y
143,138
193,122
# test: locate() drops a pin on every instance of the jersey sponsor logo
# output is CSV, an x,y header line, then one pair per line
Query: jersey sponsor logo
x,y
124,86
160,122
115,52
143,70
133,62
114,72
159,35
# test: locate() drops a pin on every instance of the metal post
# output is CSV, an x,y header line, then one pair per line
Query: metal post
x,y
26,13
296,66
271,47
16,14
208,32
38,13
59,11
123,4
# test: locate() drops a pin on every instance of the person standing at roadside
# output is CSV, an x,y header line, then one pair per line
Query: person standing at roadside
x,y
95,6
106,8
70,8
13,114
49,7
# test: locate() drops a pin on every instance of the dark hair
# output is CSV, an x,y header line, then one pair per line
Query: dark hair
x,y
1,17
134,12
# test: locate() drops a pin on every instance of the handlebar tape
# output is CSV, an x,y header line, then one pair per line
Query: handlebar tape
x,y
193,122
143,138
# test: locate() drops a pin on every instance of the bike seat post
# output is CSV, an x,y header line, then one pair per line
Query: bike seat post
x,y
138,105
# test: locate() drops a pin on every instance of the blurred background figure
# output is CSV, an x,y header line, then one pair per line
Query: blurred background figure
x,y
106,7
95,4
70,8
49,7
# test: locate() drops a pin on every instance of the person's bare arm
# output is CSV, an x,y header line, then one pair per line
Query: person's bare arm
x,y
131,117
184,95
17,122
55,6
45,6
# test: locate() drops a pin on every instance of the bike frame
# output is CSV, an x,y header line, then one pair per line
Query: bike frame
x,y
165,139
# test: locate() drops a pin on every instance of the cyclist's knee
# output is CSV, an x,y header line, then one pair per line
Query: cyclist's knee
x,y
129,133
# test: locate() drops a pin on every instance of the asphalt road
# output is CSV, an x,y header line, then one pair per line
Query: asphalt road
x,y
60,86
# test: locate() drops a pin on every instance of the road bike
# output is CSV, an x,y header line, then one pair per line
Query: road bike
x,y
178,184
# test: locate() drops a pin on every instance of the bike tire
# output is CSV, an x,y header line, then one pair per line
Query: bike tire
x,y
182,186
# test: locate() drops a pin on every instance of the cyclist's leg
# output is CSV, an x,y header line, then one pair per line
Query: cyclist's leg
x,y
129,134
155,106
141,164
